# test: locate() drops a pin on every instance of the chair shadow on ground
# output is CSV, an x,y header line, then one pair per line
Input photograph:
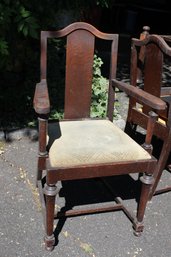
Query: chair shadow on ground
x,y
83,193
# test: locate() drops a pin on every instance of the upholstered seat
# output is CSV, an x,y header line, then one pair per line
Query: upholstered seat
x,y
91,142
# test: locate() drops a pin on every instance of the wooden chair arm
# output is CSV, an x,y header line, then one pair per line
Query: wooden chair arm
x,y
41,101
141,96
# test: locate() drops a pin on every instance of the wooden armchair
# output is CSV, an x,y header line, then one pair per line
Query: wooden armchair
x,y
147,64
82,147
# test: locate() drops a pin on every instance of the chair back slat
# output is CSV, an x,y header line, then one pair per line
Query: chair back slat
x,y
79,65
153,69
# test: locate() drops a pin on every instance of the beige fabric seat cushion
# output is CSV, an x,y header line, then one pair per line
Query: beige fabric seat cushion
x,y
91,142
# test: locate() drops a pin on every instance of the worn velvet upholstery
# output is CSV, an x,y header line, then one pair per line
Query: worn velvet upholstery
x,y
91,142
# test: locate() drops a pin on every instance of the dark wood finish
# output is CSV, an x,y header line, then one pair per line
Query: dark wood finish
x,y
80,51
95,171
141,55
141,96
150,127
72,213
153,79
147,59
141,119
41,98
79,61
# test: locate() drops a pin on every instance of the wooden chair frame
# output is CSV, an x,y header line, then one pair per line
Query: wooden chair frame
x,y
150,58
84,34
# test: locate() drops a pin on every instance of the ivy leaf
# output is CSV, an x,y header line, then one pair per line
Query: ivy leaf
x,y
24,13
20,26
25,31
3,47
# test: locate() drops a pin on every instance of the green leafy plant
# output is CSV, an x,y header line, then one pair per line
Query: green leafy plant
x,y
100,91
26,23
83,4
18,26
103,3
4,52
3,47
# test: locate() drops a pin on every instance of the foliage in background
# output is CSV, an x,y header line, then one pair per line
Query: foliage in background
x,y
23,19
16,25
100,91
20,24
79,4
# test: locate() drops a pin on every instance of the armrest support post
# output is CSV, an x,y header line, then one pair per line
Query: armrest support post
x,y
43,127
150,128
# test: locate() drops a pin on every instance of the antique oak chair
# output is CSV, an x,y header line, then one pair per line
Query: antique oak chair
x,y
82,147
147,62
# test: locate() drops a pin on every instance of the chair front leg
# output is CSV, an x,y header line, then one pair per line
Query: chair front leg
x,y
42,155
147,181
50,192
164,155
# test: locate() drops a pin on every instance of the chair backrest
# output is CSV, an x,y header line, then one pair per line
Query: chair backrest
x,y
155,49
80,47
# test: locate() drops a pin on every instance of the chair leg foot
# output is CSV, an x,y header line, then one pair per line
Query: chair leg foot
x,y
49,242
50,192
138,226
137,234
138,229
